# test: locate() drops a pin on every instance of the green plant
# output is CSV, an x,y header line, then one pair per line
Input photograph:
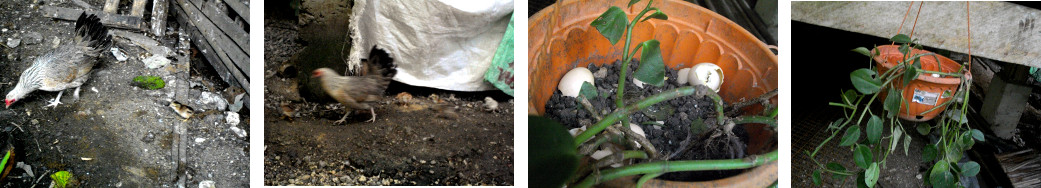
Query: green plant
x,y
955,134
554,151
149,82
60,179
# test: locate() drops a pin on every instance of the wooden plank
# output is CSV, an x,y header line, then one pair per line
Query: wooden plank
x,y
138,8
224,23
159,17
1001,31
111,20
111,6
214,53
241,8
216,38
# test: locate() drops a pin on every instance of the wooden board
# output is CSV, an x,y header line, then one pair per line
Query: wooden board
x,y
241,8
213,43
111,20
111,6
138,8
223,22
159,17
216,38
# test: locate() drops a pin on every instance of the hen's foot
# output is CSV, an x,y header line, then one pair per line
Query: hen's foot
x,y
54,103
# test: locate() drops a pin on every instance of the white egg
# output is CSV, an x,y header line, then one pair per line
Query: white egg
x,y
571,83
682,78
708,74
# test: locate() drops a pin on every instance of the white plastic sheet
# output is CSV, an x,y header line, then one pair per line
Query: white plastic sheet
x,y
445,44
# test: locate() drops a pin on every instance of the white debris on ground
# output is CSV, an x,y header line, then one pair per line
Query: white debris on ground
x,y
120,56
156,61
232,118
210,100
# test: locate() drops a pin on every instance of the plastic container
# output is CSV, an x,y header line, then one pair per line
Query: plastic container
x,y
925,92
560,38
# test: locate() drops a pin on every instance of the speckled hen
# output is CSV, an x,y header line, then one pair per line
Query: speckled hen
x,y
355,92
67,66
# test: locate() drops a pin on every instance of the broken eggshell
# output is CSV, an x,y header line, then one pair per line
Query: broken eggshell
x,y
571,83
708,74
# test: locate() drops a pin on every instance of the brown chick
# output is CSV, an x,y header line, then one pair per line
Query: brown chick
x,y
355,92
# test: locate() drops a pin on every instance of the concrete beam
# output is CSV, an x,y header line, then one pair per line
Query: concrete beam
x,y
1003,105
1000,31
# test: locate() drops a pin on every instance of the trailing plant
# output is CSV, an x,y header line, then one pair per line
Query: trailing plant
x,y
555,153
870,154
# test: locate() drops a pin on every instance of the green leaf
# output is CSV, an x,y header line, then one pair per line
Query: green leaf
x,y
892,103
851,137
871,175
970,168
863,50
941,176
611,24
652,68
835,124
901,38
896,139
929,153
860,181
552,152
633,2
836,167
965,140
656,15
977,134
907,142
904,49
698,126
874,130
910,74
61,178
862,156
924,128
850,96
864,80
588,91
952,154
817,177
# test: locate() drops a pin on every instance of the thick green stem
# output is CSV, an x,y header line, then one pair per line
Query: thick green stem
x,y
627,57
633,154
756,119
720,116
677,166
624,112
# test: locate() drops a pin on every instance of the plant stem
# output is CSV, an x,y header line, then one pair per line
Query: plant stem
x,y
627,57
676,166
640,105
756,119
720,116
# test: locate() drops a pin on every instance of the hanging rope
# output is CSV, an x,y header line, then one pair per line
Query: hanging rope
x,y
968,29
920,4
903,20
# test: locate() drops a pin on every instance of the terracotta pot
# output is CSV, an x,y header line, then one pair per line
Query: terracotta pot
x,y
925,92
560,38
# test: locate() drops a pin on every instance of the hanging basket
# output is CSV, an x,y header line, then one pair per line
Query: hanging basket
x,y
927,91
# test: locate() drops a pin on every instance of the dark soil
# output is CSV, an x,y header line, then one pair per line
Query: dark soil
x,y
677,115
434,138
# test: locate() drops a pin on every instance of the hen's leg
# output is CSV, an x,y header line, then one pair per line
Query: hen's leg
x,y
76,93
373,111
54,103
344,118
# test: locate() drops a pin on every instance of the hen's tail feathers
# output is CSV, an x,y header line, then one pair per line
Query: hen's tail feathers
x,y
382,65
89,29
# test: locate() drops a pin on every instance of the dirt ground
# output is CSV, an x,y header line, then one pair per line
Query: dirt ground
x,y
116,134
433,138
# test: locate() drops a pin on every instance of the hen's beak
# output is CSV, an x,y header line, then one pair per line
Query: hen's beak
x,y
8,103
315,74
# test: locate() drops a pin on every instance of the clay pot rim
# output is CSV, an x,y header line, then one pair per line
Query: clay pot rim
x,y
889,49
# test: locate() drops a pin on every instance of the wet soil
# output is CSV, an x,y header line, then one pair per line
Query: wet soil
x,y
115,134
667,124
425,139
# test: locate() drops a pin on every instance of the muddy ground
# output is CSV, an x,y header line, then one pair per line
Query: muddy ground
x,y
434,138
117,134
